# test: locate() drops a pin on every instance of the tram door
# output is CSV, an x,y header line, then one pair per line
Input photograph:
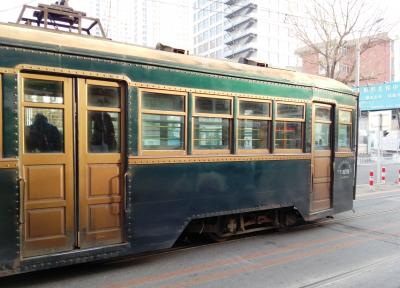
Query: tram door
x,y
71,164
321,198
100,181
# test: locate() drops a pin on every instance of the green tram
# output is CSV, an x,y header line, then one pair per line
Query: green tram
x,y
108,149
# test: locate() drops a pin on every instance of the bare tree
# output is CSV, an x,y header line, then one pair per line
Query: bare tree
x,y
331,29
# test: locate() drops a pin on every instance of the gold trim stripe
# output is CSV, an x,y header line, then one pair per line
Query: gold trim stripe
x,y
342,106
208,159
344,154
7,164
141,85
7,70
74,72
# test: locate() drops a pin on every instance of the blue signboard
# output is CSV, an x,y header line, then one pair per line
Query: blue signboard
x,y
380,96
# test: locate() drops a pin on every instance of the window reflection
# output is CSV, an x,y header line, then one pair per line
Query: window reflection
x,y
103,96
290,111
162,132
211,133
288,135
44,91
322,138
43,130
213,106
344,136
253,134
103,132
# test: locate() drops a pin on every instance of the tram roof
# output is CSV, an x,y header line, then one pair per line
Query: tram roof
x,y
72,43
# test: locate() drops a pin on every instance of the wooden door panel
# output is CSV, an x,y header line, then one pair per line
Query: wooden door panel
x,y
45,182
322,167
322,191
49,223
100,171
321,205
104,217
47,166
322,159
104,180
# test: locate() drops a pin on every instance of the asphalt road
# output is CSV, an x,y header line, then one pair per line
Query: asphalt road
x,y
358,249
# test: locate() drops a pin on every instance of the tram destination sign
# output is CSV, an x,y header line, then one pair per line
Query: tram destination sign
x,y
384,96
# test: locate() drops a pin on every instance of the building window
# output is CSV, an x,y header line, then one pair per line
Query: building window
x,y
289,126
163,122
254,122
212,124
344,137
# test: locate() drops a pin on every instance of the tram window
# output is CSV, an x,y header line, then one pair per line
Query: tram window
x,y
289,126
290,111
44,91
104,96
211,133
212,123
344,137
213,105
103,132
254,125
44,130
322,127
163,122
162,132
322,136
163,102
252,108
323,113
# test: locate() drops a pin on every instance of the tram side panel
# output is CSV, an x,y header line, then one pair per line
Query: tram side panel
x,y
166,197
9,190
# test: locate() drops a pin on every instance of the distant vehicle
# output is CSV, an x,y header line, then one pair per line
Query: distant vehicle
x,y
108,149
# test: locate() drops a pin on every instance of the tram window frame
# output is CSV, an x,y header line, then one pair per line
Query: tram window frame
x,y
212,115
346,123
117,110
267,118
142,110
286,120
29,104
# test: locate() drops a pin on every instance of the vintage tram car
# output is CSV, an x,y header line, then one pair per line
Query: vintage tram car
x,y
109,149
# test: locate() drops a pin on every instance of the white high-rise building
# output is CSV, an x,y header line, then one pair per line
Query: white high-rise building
x,y
143,22
208,28
258,29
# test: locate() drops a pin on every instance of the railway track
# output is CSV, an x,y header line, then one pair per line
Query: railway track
x,y
333,280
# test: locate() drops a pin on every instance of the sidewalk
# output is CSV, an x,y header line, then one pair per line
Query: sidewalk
x,y
365,189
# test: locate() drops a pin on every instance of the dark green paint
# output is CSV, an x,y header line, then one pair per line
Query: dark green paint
x,y
124,58
235,125
273,127
133,121
9,241
183,192
10,116
336,132
164,76
189,124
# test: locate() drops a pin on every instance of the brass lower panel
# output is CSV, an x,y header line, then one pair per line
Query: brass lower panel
x,y
344,154
208,159
8,164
